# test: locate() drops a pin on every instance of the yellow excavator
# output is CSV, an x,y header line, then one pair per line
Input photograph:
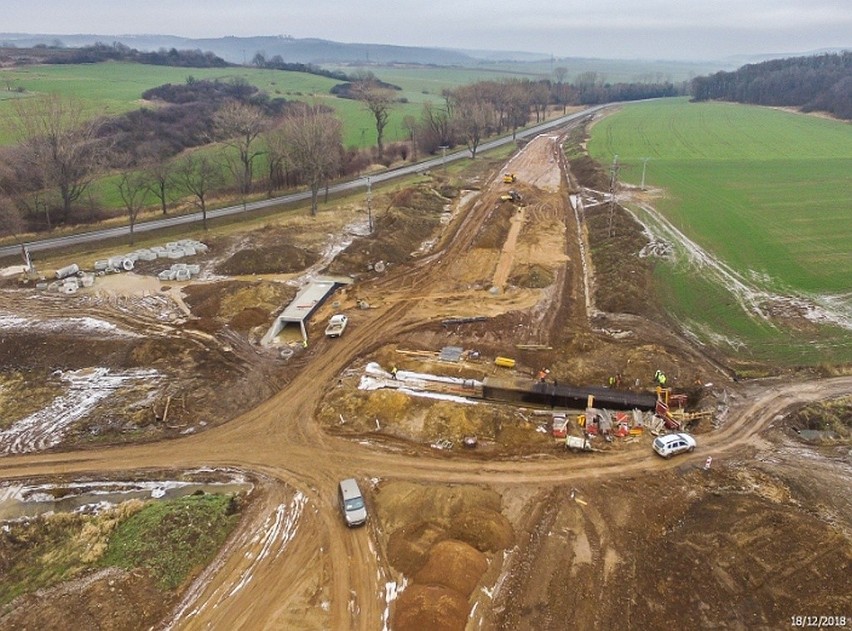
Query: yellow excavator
x,y
509,178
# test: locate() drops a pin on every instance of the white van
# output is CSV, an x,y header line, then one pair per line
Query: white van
x,y
352,503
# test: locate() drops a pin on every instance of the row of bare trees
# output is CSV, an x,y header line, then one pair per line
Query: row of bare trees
x,y
61,150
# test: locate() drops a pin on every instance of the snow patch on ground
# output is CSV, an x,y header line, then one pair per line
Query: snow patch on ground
x,y
278,530
392,592
84,389
414,383
77,325
752,291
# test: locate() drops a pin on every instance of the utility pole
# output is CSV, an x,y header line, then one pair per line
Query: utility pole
x,y
613,181
369,204
644,166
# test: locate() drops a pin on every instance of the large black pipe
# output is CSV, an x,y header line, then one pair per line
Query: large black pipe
x,y
556,396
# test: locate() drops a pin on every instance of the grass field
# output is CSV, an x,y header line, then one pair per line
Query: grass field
x,y
767,192
116,87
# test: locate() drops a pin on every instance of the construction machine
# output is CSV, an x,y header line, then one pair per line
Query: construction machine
x,y
509,178
511,196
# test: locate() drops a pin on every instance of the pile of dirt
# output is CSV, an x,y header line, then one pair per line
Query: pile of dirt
x,y
240,304
623,278
386,412
23,350
412,218
278,258
438,538
830,419
453,564
492,234
430,607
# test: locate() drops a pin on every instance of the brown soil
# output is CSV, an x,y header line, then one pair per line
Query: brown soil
x,y
111,599
514,534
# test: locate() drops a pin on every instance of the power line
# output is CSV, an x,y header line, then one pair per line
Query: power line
x,y
613,181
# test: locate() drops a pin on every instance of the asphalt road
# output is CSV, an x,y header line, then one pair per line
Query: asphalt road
x,y
56,243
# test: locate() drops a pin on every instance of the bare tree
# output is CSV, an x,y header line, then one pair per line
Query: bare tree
x,y
239,125
410,125
314,139
11,220
518,100
159,175
61,142
159,178
275,143
378,100
133,190
539,98
436,130
473,116
199,175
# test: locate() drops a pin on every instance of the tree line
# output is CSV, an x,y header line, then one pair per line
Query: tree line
x,y
815,83
212,138
100,52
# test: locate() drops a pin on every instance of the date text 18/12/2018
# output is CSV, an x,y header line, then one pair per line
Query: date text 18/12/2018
x,y
819,621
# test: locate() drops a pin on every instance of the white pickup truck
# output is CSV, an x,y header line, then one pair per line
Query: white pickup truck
x,y
336,326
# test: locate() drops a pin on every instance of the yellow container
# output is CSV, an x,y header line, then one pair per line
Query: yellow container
x,y
505,362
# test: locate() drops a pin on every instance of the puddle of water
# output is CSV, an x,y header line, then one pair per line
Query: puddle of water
x,y
31,501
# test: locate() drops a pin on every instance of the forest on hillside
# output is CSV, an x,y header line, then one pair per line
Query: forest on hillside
x,y
819,83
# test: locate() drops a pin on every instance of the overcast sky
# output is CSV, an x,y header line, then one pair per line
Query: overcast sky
x,y
650,29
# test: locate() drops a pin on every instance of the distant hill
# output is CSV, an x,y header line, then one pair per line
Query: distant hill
x,y
325,53
241,50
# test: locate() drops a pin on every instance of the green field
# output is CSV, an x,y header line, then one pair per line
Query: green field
x,y
767,192
116,87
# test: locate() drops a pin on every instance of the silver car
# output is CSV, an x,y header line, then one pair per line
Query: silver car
x,y
671,444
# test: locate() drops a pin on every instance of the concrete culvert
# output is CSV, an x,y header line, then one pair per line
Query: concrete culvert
x,y
68,270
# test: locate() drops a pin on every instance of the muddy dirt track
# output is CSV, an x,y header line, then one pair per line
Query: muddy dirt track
x,y
293,564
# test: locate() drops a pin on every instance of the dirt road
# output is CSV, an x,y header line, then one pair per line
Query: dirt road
x,y
293,564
